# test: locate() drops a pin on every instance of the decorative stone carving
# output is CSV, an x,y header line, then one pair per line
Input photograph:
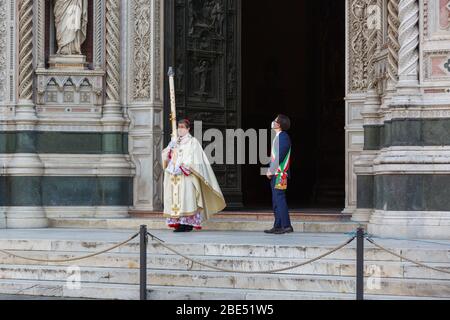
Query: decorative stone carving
x,y
374,40
25,50
437,65
113,51
3,49
99,30
444,14
157,60
55,87
358,64
393,42
409,42
142,50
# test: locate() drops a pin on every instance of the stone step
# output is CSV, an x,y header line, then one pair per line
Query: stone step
x,y
59,289
310,283
79,248
295,215
314,283
183,293
211,225
385,269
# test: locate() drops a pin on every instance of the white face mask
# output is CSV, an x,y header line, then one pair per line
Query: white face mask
x,y
274,125
182,132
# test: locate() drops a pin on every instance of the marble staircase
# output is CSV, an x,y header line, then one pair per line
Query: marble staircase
x,y
115,275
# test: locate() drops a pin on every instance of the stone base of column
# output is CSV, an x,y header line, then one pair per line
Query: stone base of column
x,y
349,210
410,224
25,111
362,215
113,114
26,218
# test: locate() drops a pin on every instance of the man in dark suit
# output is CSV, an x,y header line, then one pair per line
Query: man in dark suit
x,y
278,174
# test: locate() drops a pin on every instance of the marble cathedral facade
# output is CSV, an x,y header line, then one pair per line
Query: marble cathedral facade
x,y
80,142
398,116
87,142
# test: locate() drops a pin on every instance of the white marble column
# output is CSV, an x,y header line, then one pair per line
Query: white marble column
x,y
408,56
25,108
393,25
113,109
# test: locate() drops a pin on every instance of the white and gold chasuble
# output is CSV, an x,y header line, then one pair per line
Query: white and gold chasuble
x,y
199,191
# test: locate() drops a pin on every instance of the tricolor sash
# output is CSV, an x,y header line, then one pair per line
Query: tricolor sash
x,y
281,174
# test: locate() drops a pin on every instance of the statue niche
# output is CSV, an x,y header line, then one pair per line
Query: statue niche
x,y
70,85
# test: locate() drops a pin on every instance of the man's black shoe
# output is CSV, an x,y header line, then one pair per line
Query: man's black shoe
x,y
289,230
273,230
284,230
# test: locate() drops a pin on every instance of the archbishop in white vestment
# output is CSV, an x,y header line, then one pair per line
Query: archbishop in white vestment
x,y
191,191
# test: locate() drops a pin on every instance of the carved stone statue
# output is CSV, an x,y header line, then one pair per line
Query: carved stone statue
x,y
218,15
201,71
71,18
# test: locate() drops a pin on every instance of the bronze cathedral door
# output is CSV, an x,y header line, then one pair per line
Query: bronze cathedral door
x,y
202,41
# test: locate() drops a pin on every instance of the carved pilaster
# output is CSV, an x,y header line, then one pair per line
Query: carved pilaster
x,y
142,50
357,41
409,43
393,42
144,96
25,50
3,49
113,109
374,40
99,9
40,34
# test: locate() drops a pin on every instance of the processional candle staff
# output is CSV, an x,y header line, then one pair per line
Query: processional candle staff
x,y
173,106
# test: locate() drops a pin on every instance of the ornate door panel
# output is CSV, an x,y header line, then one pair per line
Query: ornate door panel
x,y
203,43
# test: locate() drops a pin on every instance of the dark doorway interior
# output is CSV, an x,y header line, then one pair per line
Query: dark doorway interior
x,y
293,62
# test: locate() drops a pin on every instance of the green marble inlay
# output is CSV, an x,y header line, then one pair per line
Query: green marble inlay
x,y
66,191
408,132
404,192
365,194
372,137
63,142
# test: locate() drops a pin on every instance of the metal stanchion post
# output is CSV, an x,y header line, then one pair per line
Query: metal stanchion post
x,y
360,264
143,262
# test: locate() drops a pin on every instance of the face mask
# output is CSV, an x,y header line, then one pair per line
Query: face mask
x,y
274,125
182,132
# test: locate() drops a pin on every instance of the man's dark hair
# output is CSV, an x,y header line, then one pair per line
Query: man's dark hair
x,y
284,121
